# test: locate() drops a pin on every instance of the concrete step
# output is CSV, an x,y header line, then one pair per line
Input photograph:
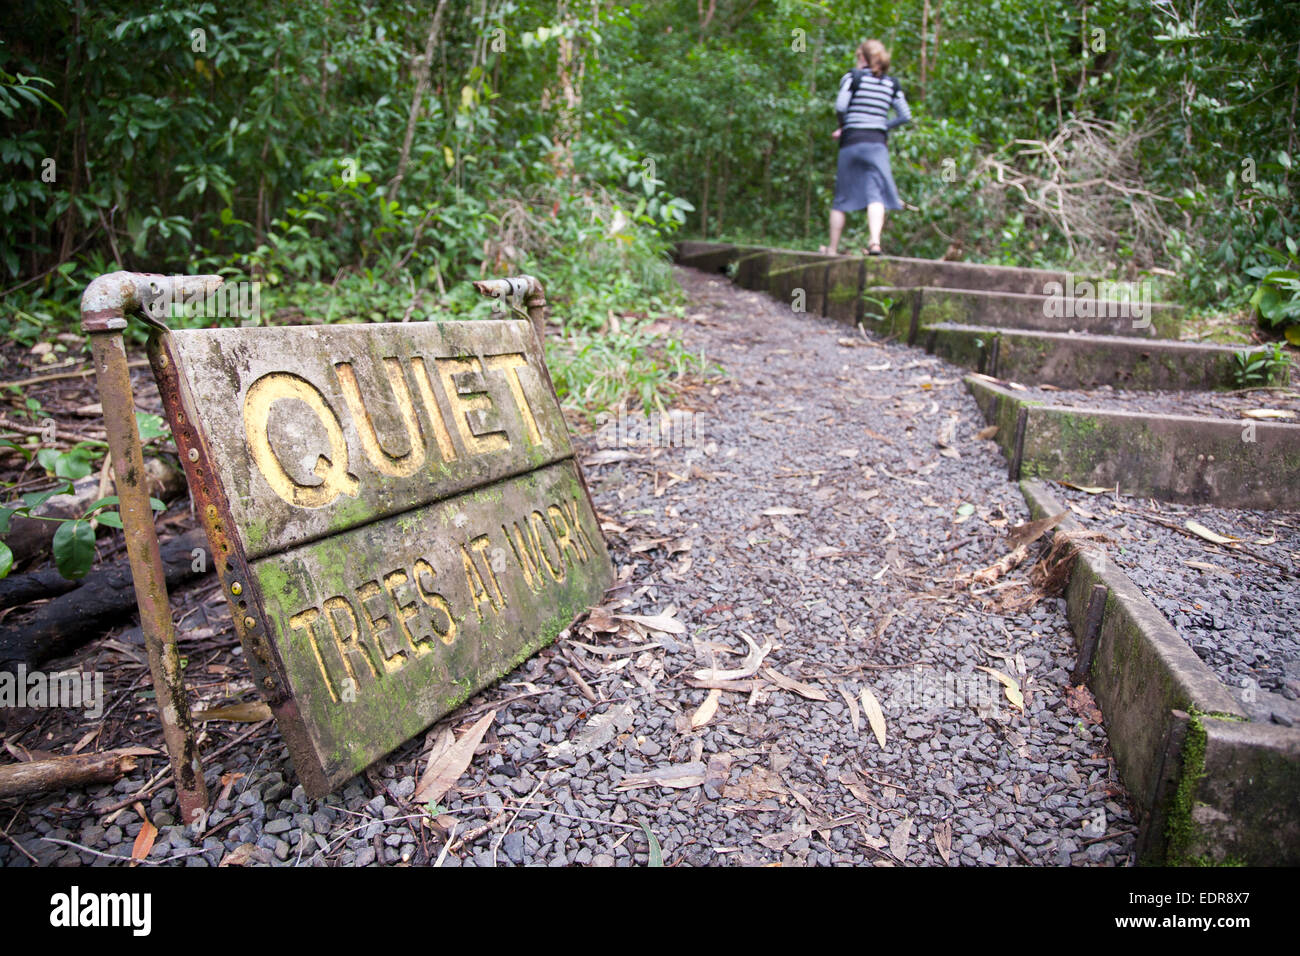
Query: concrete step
x,y
1186,458
1085,361
892,270
1011,310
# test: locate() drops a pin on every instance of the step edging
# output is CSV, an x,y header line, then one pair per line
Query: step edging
x,y
1153,692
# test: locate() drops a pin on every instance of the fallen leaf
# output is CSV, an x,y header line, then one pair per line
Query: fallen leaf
x,y
1198,529
898,840
776,841
1087,489
943,841
1000,567
855,716
783,511
249,712
788,683
875,716
755,785
239,856
677,777
987,433
656,856
718,770
441,774
1012,688
706,710
600,619
1268,413
656,622
143,840
1031,531
599,730
847,452
1080,700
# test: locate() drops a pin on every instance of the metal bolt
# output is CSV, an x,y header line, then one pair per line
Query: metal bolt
x,y
249,622
194,454
236,588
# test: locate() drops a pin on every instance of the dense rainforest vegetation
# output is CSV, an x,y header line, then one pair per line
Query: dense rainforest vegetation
x,y
362,159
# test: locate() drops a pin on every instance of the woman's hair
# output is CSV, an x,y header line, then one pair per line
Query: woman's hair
x,y
874,54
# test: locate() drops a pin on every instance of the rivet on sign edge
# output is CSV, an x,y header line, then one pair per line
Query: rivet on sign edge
x,y
249,622
194,454
236,588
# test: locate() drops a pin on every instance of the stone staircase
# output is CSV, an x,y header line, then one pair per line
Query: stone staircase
x,y
1050,330
1096,390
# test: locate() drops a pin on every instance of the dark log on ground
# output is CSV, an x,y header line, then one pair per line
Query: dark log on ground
x,y
31,537
57,773
105,596
34,586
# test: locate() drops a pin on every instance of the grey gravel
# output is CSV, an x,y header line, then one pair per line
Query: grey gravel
x,y
862,589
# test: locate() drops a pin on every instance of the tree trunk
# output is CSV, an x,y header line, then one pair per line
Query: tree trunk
x,y
925,32
422,71
704,203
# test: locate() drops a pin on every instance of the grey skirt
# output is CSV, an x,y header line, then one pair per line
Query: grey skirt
x,y
863,177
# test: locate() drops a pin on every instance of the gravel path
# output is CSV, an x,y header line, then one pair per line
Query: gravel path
x,y
833,508
1239,614
1229,405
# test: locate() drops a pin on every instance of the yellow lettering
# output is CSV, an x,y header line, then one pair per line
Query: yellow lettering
x,y
392,581
400,466
560,528
471,403
354,652
440,433
478,592
480,545
332,471
424,570
572,510
510,364
305,621
535,519
381,631
525,546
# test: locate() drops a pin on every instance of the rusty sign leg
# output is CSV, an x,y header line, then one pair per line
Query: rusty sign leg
x,y
104,309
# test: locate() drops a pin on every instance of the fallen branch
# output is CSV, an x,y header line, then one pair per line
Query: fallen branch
x,y
58,773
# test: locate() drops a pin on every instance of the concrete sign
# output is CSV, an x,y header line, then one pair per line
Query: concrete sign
x,y
395,514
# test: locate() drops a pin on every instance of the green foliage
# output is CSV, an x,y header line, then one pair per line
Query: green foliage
x,y
74,539
1277,297
1254,368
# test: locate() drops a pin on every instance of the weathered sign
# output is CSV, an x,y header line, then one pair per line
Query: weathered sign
x,y
395,514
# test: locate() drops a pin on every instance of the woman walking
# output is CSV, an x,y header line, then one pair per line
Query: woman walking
x,y
863,179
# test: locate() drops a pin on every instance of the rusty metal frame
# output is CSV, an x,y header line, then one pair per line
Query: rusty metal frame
x,y
105,306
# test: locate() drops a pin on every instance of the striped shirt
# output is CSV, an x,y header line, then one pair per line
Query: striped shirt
x,y
871,104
